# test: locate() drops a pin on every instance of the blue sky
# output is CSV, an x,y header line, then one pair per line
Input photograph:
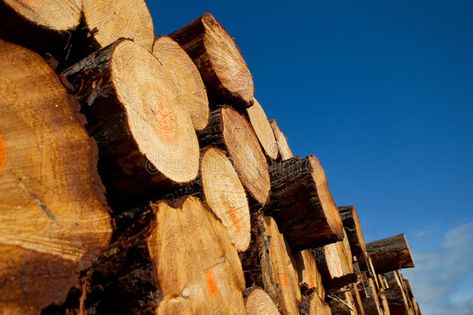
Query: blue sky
x,y
382,93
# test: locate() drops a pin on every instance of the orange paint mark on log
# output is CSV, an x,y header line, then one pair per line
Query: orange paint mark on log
x,y
2,151
234,216
285,280
211,284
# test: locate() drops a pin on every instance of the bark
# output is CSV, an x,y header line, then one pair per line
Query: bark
x,y
264,132
352,225
370,298
181,68
145,136
219,61
53,215
302,204
390,254
231,132
343,303
314,305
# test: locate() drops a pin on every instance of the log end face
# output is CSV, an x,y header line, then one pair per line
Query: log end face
x,y
232,79
58,16
264,132
246,154
109,21
187,78
259,302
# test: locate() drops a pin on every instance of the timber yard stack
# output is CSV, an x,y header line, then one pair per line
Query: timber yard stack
x,y
140,175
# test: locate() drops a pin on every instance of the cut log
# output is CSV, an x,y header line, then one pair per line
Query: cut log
x,y
334,262
177,259
262,127
41,25
187,78
53,216
309,276
369,296
230,131
219,60
281,141
343,303
352,225
314,305
358,300
226,196
384,302
268,264
107,21
390,254
302,204
396,302
259,302
145,135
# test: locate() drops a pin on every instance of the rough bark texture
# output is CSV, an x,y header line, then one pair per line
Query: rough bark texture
x,y
231,132
283,147
53,216
262,127
269,264
219,60
390,254
302,204
145,135
158,267
187,78
352,225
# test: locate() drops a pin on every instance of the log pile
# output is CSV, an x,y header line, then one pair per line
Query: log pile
x,y
139,175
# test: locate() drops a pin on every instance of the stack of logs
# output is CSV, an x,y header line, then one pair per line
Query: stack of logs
x,y
139,175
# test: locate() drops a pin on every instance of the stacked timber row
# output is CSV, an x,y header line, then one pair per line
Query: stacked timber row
x,y
139,175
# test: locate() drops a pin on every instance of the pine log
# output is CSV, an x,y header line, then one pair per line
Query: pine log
x,y
302,204
384,302
370,298
397,304
219,60
309,275
231,132
176,259
187,78
225,195
145,135
268,263
259,302
352,225
107,21
53,215
343,303
42,25
357,297
366,267
314,305
262,127
281,141
334,262
391,253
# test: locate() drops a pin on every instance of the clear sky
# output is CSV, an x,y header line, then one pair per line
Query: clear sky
x,y
382,93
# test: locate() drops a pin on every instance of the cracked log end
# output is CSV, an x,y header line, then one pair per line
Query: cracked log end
x,y
219,61
53,218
